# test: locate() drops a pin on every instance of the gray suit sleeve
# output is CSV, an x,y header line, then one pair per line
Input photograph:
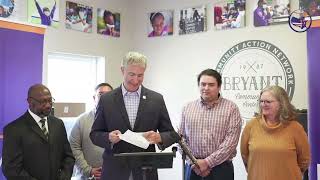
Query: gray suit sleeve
x,y
75,139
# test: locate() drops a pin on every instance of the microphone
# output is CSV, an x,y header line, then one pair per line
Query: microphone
x,y
181,141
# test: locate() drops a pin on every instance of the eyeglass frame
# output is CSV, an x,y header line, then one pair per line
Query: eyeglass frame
x,y
43,102
267,102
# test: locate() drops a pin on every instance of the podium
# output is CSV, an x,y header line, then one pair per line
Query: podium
x,y
148,160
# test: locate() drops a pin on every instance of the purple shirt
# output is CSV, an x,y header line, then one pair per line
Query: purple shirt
x,y
260,17
45,20
164,32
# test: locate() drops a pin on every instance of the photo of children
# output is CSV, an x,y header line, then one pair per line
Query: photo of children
x,y
108,23
160,23
312,7
45,12
192,20
6,8
271,12
78,17
229,15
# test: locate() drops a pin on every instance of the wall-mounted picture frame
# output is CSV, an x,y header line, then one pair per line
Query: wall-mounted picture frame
x,y
160,23
229,14
192,20
271,12
78,17
13,10
108,23
44,12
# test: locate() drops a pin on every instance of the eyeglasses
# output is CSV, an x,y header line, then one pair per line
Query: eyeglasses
x,y
267,102
44,102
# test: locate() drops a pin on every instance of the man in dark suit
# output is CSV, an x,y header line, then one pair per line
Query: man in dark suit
x,y
35,146
134,107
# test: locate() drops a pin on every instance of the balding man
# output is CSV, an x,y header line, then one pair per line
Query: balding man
x,y
35,145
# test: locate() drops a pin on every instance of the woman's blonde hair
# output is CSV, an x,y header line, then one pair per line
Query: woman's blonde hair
x,y
287,112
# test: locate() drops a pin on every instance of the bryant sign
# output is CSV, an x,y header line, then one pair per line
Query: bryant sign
x,y
250,66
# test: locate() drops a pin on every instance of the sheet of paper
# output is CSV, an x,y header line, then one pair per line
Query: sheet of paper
x,y
134,138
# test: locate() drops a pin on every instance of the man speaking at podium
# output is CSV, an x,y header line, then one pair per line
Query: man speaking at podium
x,y
134,107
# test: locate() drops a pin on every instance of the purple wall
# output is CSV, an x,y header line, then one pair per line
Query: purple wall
x,y
21,56
2,46
21,66
313,44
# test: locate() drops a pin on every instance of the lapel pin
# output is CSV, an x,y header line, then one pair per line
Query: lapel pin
x,y
144,97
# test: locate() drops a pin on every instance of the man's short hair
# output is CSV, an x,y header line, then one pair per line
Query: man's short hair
x,y
103,84
212,73
134,58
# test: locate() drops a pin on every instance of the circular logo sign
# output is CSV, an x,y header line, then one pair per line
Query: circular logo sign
x,y
300,21
250,66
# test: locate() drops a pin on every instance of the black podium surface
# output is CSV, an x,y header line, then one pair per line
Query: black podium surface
x,y
154,160
148,161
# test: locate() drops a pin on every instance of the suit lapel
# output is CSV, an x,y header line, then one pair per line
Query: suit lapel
x,y
142,105
118,98
50,128
34,126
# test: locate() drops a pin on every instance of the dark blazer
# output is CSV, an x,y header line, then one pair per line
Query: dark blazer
x,y
27,154
111,115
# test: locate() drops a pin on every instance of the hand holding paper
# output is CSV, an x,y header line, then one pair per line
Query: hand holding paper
x,y
153,137
134,138
114,136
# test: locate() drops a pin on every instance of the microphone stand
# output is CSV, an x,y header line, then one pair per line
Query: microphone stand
x,y
183,165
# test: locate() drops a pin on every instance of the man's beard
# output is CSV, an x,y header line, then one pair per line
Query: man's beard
x,y
44,113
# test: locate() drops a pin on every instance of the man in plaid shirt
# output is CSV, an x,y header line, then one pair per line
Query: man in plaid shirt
x,y
211,126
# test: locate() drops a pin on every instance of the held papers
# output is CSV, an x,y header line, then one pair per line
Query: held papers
x,y
134,138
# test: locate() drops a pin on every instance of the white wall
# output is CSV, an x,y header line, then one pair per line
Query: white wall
x,y
174,62
70,41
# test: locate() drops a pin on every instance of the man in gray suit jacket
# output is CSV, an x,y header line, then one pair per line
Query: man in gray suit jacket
x,y
35,146
134,107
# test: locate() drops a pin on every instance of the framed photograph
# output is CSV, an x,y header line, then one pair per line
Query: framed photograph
x,y
108,23
192,20
45,12
13,10
229,15
312,7
78,17
271,12
160,23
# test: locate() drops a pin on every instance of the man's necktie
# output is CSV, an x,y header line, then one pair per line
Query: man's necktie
x,y
43,128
